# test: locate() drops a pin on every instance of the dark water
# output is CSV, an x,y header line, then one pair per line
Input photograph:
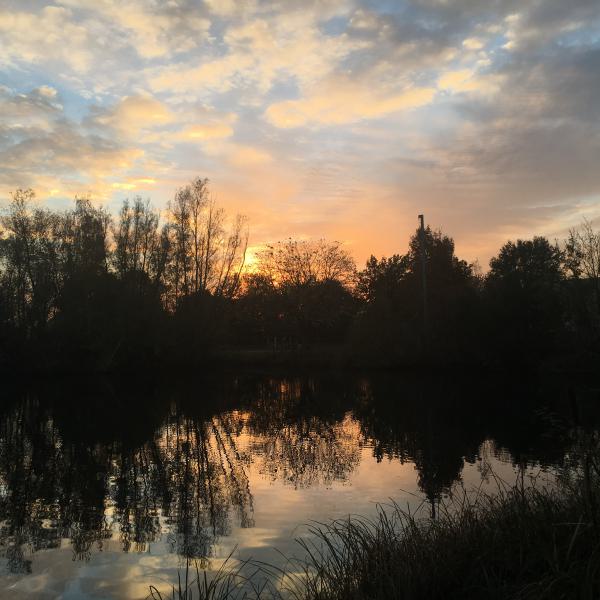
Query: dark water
x,y
107,487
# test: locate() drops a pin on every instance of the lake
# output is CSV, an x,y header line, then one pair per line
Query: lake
x,y
108,486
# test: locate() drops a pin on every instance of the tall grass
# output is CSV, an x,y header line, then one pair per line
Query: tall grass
x,y
520,542
230,582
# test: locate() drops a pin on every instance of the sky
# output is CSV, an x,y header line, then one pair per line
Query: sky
x,y
341,119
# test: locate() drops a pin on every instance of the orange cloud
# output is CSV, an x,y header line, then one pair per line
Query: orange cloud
x,y
134,113
248,156
206,132
343,101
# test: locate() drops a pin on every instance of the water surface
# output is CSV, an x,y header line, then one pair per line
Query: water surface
x,y
108,487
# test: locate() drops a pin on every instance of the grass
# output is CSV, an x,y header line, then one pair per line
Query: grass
x,y
521,542
228,583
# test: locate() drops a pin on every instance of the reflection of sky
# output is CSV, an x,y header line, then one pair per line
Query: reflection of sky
x,y
281,512
343,118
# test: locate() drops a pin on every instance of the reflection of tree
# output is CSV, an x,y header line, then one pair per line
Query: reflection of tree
x,y
48,491
202,465
419,423
438,424
296,445
189,474
311,452
133,468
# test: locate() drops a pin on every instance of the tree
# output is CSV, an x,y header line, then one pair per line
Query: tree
x,y
310,283
382,277
582,257
301,262
84,239
136,240
528,264
257,310
206,255
30,260
442,265
524,297
391,326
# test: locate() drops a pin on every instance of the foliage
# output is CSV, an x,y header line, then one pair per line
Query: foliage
x,y
525,298
402,320
80,289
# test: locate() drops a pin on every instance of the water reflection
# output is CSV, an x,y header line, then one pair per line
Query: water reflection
x,y
84,464
300,436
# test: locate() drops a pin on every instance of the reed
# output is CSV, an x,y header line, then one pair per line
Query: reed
x,y
522,541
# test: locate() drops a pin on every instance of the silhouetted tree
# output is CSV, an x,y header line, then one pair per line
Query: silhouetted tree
x,y
525,299
582,261
382,278
139,246
257,318
310,284
81,288
206,256
31,251
301,262
391,327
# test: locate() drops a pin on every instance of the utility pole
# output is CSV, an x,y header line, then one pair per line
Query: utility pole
x,y
423,272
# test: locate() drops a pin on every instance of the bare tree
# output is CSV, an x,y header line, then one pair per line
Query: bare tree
x,y
138,246
582,252
206,255
301,262
233,261
181,233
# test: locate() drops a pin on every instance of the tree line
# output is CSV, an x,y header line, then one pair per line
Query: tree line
x,y
83,290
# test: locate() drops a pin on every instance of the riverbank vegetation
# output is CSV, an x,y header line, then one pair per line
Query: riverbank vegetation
x,y
83,290
520,542
529,539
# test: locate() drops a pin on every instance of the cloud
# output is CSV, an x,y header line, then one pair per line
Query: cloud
x,y
132,183
36,109
35,38
318,117
248,156
206,132
132,114
473,44
468,80
154,29
343,101
41,147
217,75
259,53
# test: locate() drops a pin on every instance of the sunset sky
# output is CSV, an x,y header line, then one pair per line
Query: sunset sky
x,y
338,119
